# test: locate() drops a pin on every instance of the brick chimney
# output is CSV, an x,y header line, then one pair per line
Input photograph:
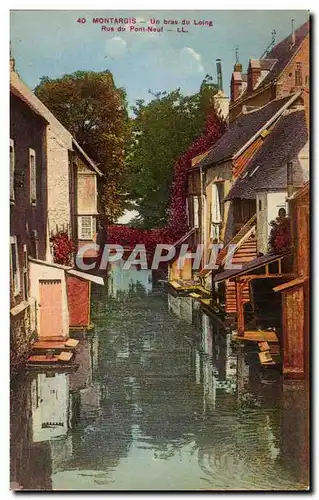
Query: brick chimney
x,y
253,74
235,86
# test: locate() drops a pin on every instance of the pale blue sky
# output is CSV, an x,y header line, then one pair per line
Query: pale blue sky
x,y
52,43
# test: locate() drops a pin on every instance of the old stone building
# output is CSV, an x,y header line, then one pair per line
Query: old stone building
x,y
282,69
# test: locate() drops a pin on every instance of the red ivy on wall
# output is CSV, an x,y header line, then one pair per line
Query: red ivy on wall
x,y
177,222
63,248
280,235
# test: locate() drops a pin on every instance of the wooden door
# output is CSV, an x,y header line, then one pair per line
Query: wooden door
x,y
50,308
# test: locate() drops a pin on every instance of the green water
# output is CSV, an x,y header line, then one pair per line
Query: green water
x,y
162,401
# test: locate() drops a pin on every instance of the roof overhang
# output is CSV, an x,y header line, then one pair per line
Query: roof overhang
x,y
184,238
88,159
70,270
253,265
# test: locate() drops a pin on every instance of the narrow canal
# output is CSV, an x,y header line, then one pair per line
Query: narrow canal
x,y
161,400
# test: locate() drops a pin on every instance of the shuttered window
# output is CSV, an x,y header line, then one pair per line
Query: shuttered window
x,y
187,212
25,273
33,176
34,244
196,212
12,168
15,271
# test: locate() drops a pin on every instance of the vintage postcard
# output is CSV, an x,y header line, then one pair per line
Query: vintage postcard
x,y
159,250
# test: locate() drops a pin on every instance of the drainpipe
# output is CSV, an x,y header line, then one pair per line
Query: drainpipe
x,y
203,212
290,180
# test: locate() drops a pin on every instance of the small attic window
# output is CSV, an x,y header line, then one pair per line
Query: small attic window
x,y
254,171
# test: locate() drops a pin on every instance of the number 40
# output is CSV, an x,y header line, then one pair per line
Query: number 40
x,y
81,20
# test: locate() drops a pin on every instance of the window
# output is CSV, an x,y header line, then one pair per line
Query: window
x,y
12,167
33,176
260,205
196,212
298,74
34,244
15,272
220,189
187,211
25,273
86,227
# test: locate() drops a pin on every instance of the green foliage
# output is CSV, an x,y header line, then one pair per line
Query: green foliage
x,y
90,106
161,131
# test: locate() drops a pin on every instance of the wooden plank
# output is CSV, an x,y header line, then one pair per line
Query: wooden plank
x,y
48,338
40,345
71,343
240,309
268,336
206,302
263,346
41,358
65,356
257,336
174,284
265,357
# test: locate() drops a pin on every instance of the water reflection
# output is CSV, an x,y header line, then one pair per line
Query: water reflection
x,y
161,400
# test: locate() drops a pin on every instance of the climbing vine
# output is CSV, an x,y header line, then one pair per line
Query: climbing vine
x,y
63,248
177,222
280,235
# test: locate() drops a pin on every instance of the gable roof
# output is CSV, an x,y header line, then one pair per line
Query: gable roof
x,y
245,126
283,52
22,98
88,159
17,85
21,90
268,167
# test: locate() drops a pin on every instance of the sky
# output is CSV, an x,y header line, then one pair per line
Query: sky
x,y
53,43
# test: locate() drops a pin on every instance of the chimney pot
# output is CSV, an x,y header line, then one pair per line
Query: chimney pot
x,y
219,74
253,74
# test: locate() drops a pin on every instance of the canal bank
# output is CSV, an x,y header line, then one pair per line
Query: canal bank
x,y
162,399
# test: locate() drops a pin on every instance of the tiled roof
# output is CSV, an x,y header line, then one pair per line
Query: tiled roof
x,y
278,58
268,168
267,64
22,91
33,101
241,130
284,51
22,98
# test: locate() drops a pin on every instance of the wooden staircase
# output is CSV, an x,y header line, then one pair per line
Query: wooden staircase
x,y
245,253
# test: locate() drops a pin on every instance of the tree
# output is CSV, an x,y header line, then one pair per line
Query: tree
x,y
90,106
177,224
161,131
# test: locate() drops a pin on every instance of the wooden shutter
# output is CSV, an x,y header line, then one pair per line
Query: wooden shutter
x,y
196,212
12,167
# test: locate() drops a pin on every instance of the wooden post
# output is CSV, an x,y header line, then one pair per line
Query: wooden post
x,y
240,309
